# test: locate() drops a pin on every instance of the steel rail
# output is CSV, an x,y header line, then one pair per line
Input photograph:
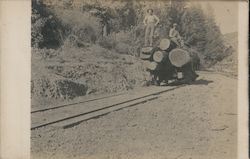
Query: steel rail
x,y
103,108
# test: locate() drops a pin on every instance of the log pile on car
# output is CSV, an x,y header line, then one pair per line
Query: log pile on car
x,y
169,63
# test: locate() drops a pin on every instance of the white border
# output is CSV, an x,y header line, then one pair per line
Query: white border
x,y
243,81
15,79
15,27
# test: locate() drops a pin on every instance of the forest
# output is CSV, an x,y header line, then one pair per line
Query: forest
x,y
82,47
118,25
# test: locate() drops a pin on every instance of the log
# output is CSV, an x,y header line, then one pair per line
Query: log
x,y
151,65
164,44
158,56
179,57
145,56
146,50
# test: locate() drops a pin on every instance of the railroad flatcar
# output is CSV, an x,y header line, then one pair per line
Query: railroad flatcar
x,y
170,64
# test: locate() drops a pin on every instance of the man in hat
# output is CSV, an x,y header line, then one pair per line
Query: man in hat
x,y
150,21
175,35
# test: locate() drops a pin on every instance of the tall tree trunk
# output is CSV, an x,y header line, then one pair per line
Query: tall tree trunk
x,y
105,30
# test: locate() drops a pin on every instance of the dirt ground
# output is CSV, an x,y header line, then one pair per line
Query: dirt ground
x,y
197,121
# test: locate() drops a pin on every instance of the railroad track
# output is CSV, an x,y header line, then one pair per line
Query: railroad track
x,y
218,73
69,115
70,104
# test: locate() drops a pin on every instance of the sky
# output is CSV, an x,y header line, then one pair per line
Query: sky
x,y
226,15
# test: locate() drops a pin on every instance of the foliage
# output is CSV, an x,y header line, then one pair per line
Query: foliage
x,y
123,42
199,31
52,27
84,26
214,41
46,29
123,20
36,28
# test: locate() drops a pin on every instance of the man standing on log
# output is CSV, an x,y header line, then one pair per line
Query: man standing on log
x,y
150,21
175,35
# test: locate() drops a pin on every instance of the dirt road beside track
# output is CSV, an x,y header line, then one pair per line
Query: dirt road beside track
x,y
197,121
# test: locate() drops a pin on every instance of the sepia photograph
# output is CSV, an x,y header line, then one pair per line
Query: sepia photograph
x,y
134,79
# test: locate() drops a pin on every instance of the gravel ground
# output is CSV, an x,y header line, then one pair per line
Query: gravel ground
x,y
198,121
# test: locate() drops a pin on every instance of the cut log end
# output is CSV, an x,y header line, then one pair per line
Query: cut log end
x,y
147,50
151,65
179,57
158,56
145,56
164,44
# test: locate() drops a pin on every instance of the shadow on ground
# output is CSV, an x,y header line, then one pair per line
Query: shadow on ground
x,y
202,82
183,82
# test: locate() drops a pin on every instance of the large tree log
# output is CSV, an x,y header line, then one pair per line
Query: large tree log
x,y
145,56
158,56
151,65
164,44
146,50
179,57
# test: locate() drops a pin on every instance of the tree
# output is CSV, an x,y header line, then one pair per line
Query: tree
x,y
194,28
198,29
214,42
46,29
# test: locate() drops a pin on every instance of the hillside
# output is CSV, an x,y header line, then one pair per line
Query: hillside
x,y
231,39
94,50
70,57
73,72
229,64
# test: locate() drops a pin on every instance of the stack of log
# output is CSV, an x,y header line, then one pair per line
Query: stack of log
x,y
167,50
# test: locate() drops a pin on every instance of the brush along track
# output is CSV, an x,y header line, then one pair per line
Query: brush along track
x,y
69,116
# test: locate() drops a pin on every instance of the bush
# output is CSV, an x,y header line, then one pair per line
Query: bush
x,y
52,26
43,54
130,41
46,29
36,28
124,42
107,42
85,27
122,48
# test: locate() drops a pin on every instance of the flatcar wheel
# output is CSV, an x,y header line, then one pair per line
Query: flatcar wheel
x,y
158,83
155,83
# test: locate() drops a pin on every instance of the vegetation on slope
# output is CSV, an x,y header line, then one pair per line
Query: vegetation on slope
x,y
84,47
229,64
